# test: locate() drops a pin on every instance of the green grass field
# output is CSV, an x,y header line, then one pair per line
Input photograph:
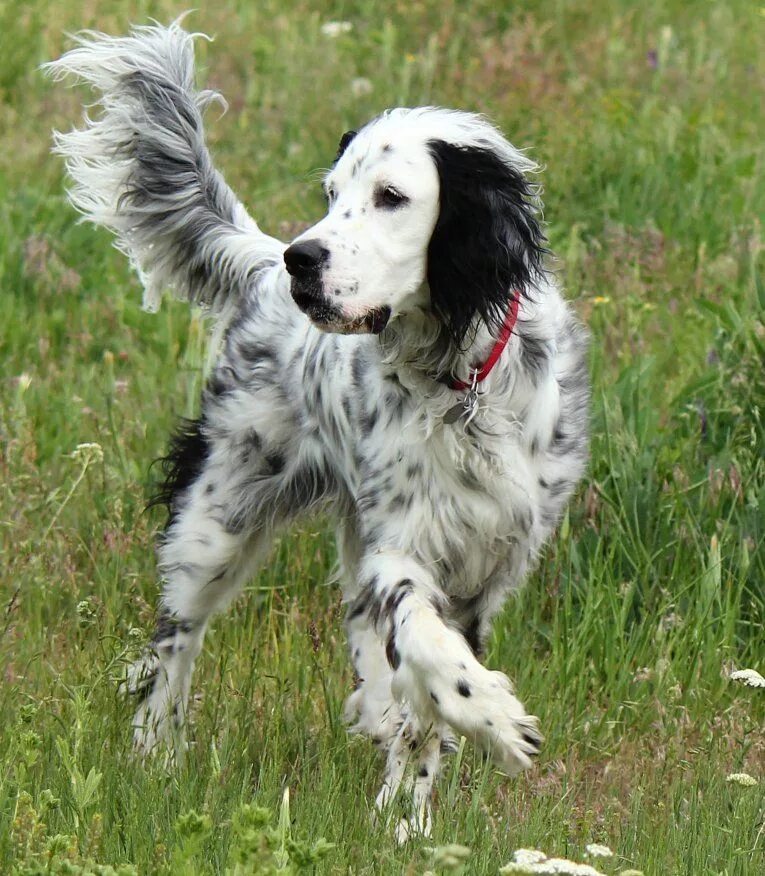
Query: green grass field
x,y
648,119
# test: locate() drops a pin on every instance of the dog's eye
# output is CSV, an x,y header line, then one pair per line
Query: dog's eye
x,y
389,198
331,196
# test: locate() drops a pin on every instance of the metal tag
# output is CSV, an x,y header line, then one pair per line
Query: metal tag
x,y
453,414
467,407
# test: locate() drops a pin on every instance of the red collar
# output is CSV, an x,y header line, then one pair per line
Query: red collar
x,y
479,374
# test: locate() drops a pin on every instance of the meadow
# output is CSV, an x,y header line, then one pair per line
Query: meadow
x,y
648,120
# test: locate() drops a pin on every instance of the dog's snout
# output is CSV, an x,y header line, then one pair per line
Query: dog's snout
x,y
305,258
306,299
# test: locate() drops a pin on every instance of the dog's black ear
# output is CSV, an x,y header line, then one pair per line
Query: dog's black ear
x,y
343,145
487,243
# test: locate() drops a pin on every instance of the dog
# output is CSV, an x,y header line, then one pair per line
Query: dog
x,y
408,363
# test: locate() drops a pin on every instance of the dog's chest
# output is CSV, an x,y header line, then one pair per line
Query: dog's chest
x,y
440,492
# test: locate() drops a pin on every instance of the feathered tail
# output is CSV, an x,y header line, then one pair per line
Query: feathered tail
x,y
142,169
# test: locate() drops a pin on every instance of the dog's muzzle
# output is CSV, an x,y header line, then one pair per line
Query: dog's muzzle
x,y
304,262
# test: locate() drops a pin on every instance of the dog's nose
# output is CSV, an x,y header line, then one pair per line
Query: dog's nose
x,y
305,258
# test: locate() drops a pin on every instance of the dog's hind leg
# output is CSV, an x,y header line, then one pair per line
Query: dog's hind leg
x,y
228,488
204,567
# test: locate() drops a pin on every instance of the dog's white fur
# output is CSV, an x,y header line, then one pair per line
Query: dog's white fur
x,y
437,522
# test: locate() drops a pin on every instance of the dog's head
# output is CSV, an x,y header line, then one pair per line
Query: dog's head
x,y
428,208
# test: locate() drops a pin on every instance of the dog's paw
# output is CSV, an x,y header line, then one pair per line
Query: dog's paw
x,y
480,705
157,722
484,709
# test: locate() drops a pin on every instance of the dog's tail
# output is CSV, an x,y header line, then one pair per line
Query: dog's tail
x,y
142,169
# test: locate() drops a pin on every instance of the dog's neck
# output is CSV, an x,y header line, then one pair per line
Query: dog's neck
x,y
419,350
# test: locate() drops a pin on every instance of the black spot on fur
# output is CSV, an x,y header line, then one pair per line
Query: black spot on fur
x,y
254,353
370,421
217,386
423,772
463,688
394,658
275,461
397,502
184,462
372,535
393,600
535,355
168,625
487,243
358,369
344,143
358,607
560,486
434,698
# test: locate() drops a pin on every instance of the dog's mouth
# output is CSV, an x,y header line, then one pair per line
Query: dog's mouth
x,y
372,323
329,317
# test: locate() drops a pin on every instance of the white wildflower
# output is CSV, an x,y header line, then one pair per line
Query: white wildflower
x,y
361,86
749,677
743,779
529,861
85,610
595,850
333,29
529,856
87,453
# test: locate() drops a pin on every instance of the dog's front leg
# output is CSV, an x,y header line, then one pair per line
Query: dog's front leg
x,y
436,676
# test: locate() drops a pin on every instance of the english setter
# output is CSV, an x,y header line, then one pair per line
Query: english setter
x,y
407,362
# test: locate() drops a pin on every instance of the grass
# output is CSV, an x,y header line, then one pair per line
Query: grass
x,y
648,119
